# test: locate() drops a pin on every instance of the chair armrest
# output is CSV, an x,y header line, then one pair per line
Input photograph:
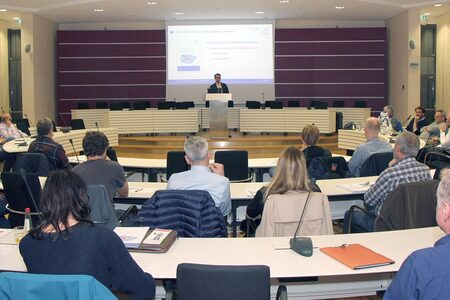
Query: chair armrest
x,y
350,216
242,180
281,293
132,209
437,153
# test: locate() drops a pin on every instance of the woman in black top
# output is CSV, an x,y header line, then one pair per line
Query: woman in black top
x,y
67,242
310,136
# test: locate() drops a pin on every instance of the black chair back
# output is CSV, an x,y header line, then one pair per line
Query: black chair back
x,y
253,104
175,163
195,281
235,164
230,103
319,104
293,103
34,163
83,105
23,125
101,105
360,104
77,124
125,104
18,196
54,126
115,106
207,103
182,105
167,105
338,103
375,164
141,105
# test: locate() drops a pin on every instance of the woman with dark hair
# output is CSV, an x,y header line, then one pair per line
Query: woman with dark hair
x,y
310,135
67,242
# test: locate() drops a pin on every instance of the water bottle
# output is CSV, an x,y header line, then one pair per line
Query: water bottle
x,y
27,224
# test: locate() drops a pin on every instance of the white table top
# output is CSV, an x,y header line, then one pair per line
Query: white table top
x,y
283,263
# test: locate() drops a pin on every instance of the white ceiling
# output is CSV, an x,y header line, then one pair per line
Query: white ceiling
x,y
76,11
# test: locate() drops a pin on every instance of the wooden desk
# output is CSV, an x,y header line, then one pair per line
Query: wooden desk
x,y
325,277
63,138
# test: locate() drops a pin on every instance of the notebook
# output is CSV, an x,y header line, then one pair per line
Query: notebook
x,y
151,240
356,256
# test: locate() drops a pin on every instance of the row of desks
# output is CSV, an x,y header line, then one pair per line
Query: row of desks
x,y
316,277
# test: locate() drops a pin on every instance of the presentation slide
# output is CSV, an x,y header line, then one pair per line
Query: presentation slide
x,y
241,53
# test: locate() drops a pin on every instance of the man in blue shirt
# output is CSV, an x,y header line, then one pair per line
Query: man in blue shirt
x,y
203,175
425,274
373,145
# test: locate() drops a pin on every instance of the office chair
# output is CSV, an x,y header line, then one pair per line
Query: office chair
x,y
102,210
125,104
328,167
235,164
196,281
191,213
207,103
167,105
338,103
23,125
54,126
319,104
77,124
115,106
175,163
230,103
141,105
360,104
83,105
375,164
293,103
16,285
182,105
253,104
34,163
101,105
22,191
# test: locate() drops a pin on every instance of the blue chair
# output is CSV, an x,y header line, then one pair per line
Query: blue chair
x,y
40,286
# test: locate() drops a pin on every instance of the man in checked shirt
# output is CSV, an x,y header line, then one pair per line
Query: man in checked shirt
x,y
402,169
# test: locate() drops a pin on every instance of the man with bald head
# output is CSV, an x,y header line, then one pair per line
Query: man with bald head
x,y
373,145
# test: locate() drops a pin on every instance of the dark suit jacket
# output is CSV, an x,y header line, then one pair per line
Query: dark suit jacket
x,y
214,90
420,124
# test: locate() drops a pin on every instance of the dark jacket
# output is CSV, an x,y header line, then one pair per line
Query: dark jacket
x,y
315,151
191,213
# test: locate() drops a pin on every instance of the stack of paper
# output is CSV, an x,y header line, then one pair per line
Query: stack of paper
x,y
131,236
355,187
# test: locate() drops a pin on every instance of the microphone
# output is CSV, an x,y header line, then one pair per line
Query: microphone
x,y
96,125
75,152
262,94
28,120
302,245
406,121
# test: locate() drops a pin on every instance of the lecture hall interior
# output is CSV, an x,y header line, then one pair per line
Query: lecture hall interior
x,y
140,71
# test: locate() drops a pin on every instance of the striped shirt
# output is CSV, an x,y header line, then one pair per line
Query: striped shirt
x,y
364,151
404,171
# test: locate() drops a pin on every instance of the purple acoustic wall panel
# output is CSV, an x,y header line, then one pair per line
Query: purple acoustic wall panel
x,y
110,66
331,64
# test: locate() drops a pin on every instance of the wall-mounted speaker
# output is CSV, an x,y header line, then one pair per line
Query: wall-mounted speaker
x,y
27,48
412,44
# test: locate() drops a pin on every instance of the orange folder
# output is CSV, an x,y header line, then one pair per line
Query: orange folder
x,y
357,256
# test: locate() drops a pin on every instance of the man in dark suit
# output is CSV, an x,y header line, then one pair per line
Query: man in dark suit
x,y
218,87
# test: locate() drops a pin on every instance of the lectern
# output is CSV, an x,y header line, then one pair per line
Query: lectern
x,y
218,115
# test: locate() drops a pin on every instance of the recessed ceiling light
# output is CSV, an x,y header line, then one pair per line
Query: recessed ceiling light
x,y
438,5
427,14
259,12
152,3
178,13
339,7
284,1
3,9
99,10
16,18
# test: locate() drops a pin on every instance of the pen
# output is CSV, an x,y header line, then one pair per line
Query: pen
x,y
138,189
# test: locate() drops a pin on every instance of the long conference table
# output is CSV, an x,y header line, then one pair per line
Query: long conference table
x,y
246,120
315,277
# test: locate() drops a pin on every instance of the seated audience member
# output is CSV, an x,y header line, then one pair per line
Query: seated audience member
x,y
67,242
8,132
45,144
402,169
419,121
425,273
203,175
285,199
431,132
100,170
310,136
444,133
373,145
393,121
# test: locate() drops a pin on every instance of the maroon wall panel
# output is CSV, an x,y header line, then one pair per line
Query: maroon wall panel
x,y
110,66
331,64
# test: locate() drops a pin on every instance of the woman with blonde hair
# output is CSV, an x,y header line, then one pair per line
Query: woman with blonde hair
x,y
288,195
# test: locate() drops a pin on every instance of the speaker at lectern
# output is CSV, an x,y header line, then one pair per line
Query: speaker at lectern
x,y
218,114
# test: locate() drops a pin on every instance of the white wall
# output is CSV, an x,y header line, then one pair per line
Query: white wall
x,y
38,67
404,80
